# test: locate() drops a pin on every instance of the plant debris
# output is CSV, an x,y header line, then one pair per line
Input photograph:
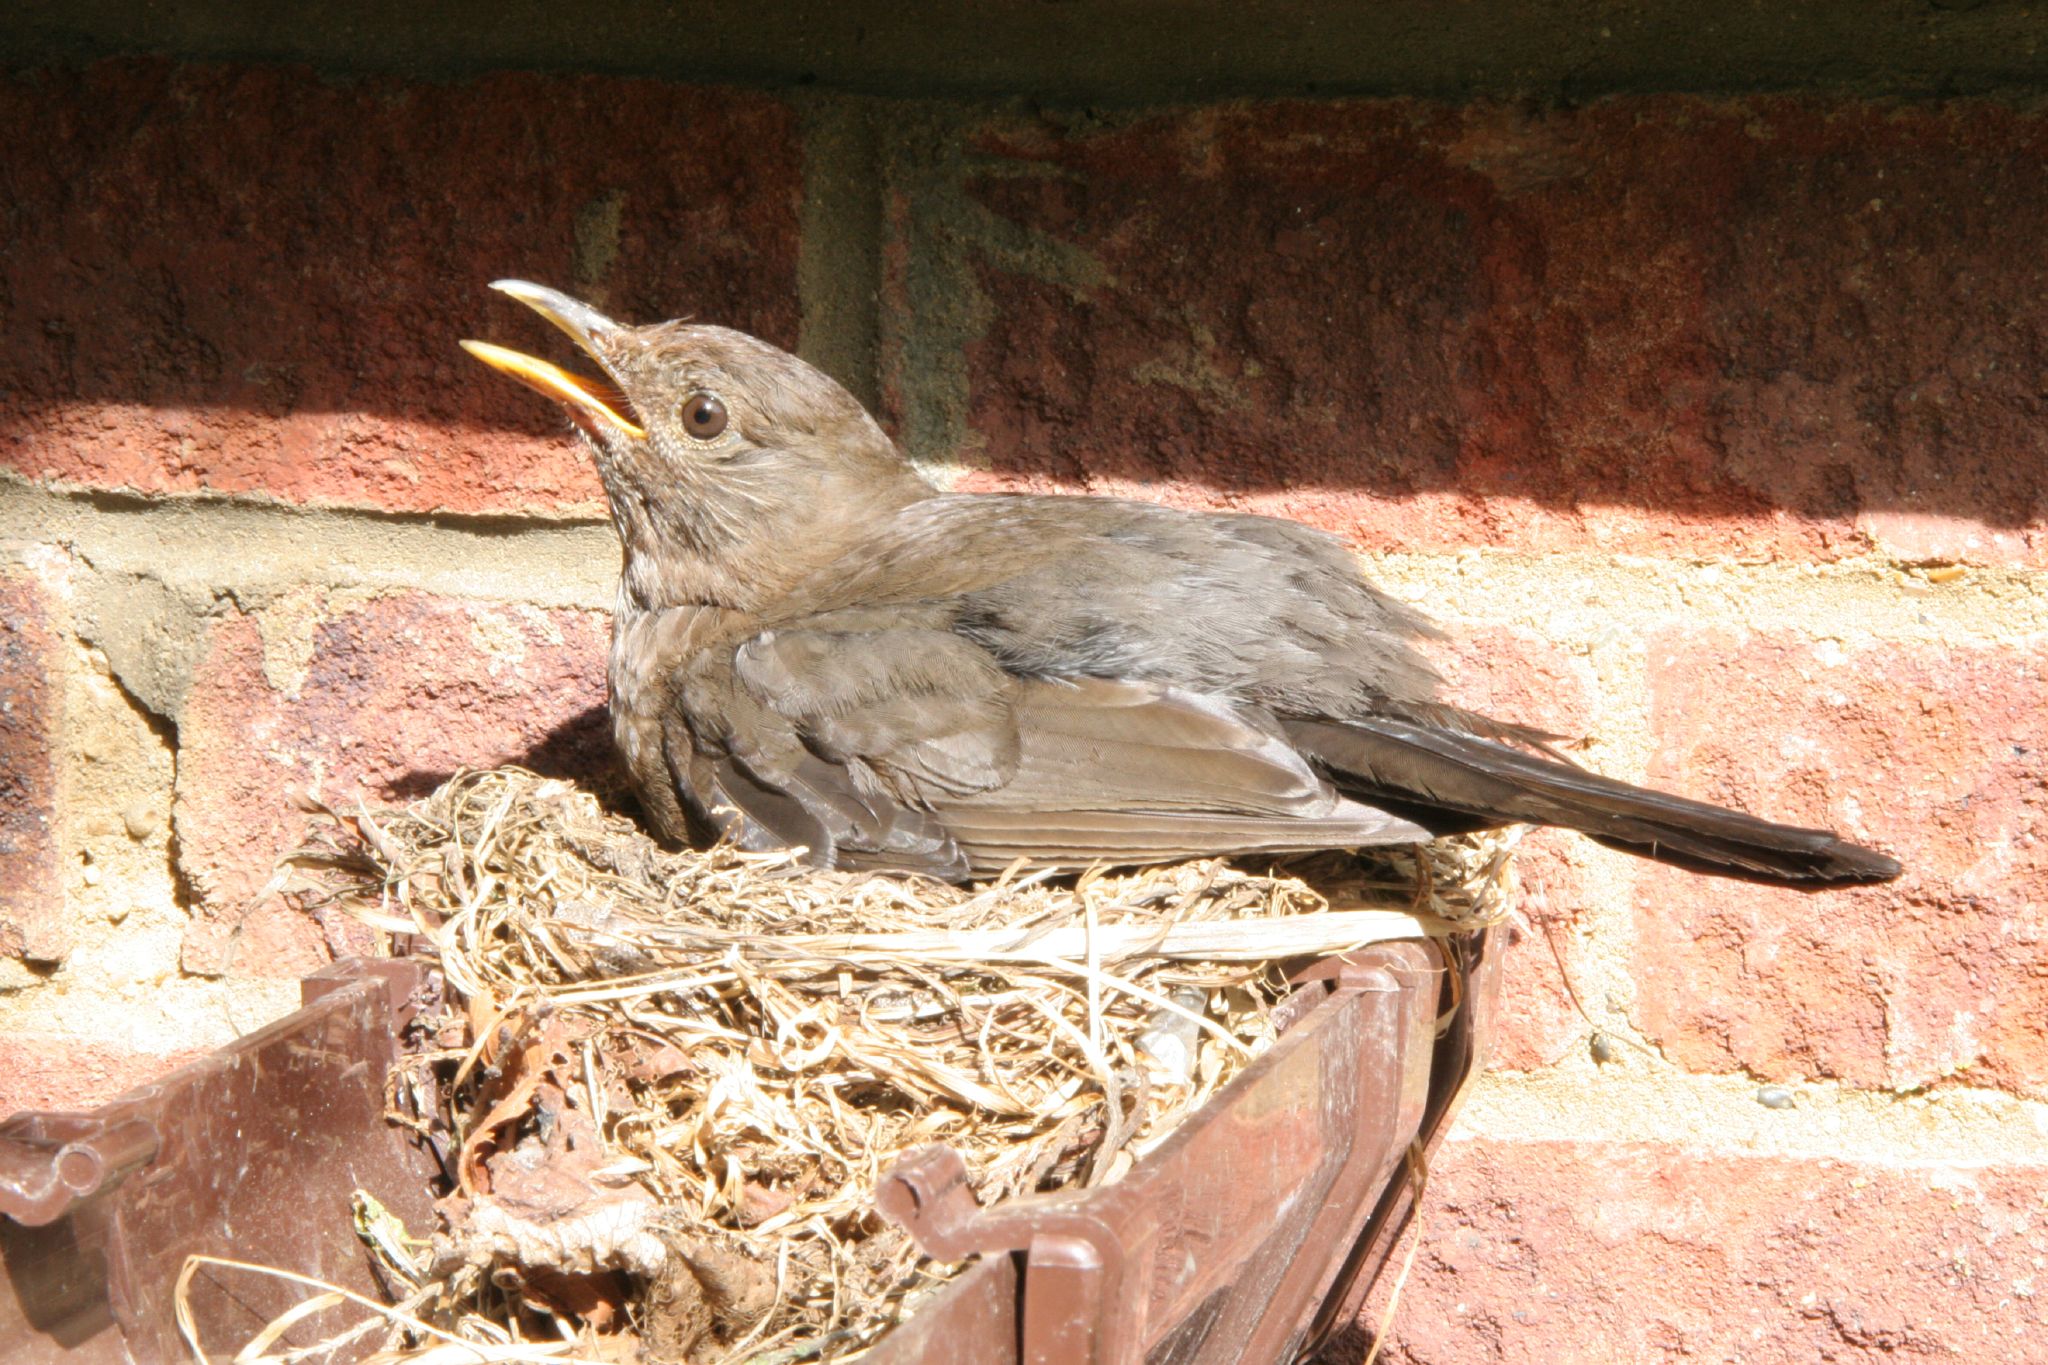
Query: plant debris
x,y
666,1085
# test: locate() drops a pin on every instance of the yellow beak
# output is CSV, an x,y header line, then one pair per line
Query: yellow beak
x,y
554,381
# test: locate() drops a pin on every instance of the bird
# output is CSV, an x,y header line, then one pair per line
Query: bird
x,y
814,647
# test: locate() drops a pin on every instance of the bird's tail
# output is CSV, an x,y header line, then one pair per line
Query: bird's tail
x,y
1421,772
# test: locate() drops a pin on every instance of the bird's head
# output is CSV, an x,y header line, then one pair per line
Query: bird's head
x,y
713,445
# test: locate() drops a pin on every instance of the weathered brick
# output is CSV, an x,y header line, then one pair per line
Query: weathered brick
x,y
66,1071
1554,1251
252,279
1655,323
1937,753
1513,674
32,918
375,700
1537,1022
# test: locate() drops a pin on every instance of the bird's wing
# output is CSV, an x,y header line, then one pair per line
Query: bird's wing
x,y
778,741
920,721
1144,772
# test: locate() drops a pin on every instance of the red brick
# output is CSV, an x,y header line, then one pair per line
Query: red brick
x,y
394,695
1930,538
63,1071
252,280
32,916
1555,1251
1656,324
1938,754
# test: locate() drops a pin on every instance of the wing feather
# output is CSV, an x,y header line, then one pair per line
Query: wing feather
x,y
913,729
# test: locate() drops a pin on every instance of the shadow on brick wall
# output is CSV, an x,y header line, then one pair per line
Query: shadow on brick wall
x,y
1766,324
1770,314
579,750
252,279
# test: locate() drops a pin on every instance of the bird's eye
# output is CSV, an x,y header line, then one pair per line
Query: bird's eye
x,y
703,416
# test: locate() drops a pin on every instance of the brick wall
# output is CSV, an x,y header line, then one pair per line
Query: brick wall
x,y
1715,427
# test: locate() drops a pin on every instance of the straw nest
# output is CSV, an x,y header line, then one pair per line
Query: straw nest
x,y
666,1085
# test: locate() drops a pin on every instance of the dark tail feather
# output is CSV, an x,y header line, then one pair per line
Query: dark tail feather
x,y
1448,781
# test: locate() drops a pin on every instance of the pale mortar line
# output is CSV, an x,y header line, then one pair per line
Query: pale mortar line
x,y
161,1010
256,550
1598,940
1583,599
1578,600
1582,602
1635,1099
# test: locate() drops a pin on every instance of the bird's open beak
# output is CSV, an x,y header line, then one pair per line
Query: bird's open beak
x,y
587,399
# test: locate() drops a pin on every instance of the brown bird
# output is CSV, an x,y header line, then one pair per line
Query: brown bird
x,y
812,646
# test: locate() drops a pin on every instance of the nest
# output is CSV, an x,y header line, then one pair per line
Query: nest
x,y
666,1085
